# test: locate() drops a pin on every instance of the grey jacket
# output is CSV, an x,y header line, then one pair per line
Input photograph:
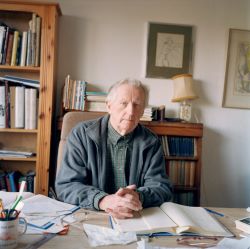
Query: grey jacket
x,y
83,173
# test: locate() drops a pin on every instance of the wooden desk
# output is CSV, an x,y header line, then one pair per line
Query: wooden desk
x,y
76,239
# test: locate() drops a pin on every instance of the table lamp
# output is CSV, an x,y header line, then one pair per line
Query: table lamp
x,y
183,93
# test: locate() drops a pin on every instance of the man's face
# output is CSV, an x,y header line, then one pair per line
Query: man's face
x,y
126,108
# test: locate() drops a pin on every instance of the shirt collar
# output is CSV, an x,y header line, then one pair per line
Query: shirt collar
x,y
116,138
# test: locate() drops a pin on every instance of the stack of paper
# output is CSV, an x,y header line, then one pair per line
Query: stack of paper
x,y
44,213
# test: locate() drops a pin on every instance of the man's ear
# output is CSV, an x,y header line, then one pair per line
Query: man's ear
x,y
108,106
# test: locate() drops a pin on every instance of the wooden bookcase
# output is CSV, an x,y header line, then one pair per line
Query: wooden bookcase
x,y
17,14
190,130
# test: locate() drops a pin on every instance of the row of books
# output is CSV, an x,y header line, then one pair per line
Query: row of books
x,y
74,94
179,146
18,106
181,172
184,198
21,48
150,113
10,181
76,97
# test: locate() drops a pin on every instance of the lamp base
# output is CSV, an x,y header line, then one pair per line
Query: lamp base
x,y
185,111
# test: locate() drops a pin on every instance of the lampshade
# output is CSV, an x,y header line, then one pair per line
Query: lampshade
x,y
183,88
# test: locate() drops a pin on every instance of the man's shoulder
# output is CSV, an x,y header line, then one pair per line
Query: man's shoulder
x,y
90,124
147,133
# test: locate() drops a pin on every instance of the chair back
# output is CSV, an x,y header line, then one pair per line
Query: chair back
x,y
70,120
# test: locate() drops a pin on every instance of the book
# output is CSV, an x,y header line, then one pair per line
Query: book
x,y
2,107
20,80
19,107
24,49
13,178
174,219
2,37
3,184
38,35
15,152
9,47
30,175
14,48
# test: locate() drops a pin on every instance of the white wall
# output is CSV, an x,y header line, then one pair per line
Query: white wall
x,y
102,41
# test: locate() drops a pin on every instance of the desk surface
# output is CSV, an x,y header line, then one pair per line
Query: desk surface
x,y
76,239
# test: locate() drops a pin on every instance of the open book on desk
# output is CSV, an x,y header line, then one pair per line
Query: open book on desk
x,y
172,219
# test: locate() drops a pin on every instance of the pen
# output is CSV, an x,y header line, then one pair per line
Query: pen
x,y
214,212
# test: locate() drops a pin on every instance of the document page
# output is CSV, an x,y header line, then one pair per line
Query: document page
x,y
149,220
135,224
39,210
196,218
157,220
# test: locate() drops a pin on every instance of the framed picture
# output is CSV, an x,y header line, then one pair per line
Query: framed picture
x,y
237,77
169,50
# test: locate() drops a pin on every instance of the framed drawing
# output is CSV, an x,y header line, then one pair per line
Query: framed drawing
x,y
169,50
237,77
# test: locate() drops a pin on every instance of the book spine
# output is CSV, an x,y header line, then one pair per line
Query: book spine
x,y
12,176
12,106
2,107
28,56
2,36
38,38
30,181
26,108
19,104
3,184
24,49
7,105
33,40
33,108
9,48
4,49
14,49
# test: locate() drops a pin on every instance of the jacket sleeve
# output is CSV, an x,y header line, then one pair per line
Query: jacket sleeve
x,y
155,187
74,182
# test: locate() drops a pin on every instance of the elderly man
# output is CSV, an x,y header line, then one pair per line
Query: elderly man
x,y
113,163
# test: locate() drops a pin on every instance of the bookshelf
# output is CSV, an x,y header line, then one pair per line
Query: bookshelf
x,y
17,14
186,135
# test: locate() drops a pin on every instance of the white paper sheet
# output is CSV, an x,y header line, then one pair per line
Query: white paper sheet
x,y
98,236
42,211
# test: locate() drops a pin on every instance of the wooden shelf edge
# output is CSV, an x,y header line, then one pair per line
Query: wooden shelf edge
x,y
19,68
26,159
10,130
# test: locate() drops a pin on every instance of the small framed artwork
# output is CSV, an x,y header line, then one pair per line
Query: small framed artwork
x,y
237,77
169,50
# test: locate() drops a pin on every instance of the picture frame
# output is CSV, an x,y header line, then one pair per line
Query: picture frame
x,y
237,77
169,50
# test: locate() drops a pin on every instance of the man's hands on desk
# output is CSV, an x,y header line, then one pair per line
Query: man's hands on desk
x,y
123,203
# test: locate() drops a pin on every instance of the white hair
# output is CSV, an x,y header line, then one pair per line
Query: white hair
x,y
128,81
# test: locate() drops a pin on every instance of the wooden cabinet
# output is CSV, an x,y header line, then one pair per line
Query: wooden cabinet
x,y
17,15
187,141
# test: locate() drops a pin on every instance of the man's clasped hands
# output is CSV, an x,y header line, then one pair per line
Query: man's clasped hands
x,y
123,203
